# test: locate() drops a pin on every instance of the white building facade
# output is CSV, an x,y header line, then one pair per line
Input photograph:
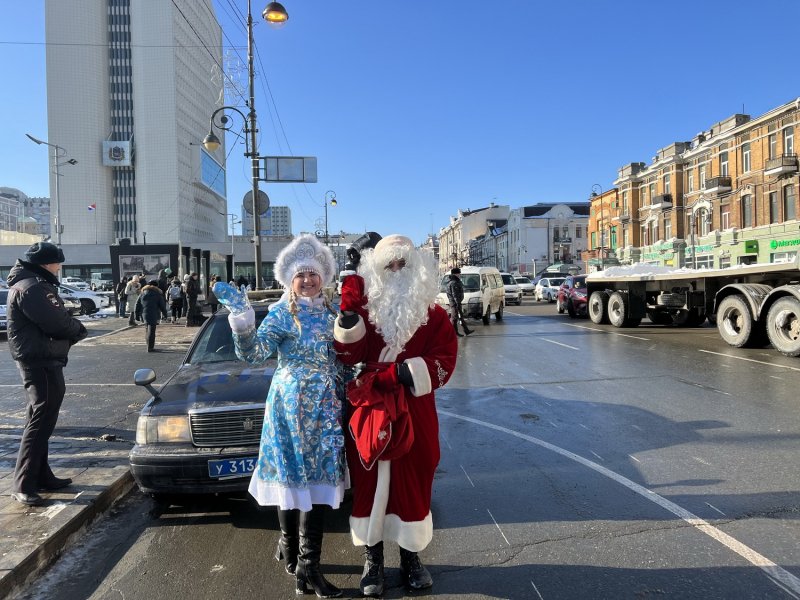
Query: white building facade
x,y
131,84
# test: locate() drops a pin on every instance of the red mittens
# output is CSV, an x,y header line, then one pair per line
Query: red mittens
x,y
353,299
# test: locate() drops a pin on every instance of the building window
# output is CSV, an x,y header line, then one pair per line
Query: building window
x,y
788,140
747,210
691,181
702,177
667,184
705,221
725,217
774,214
789,212
724,262
667,227
773,145
643,191
626,237
652,191
624,203
746,157
723,164
645,236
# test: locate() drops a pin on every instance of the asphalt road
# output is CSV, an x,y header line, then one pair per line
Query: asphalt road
x,y
578,461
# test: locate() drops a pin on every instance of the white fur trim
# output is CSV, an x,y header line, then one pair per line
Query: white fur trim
x,y
388,354
348,336
289,498
368,531
420,375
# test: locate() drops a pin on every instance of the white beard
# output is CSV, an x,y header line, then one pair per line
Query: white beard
x,y
398,301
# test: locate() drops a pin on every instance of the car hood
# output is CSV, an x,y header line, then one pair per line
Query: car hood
x,y
211,385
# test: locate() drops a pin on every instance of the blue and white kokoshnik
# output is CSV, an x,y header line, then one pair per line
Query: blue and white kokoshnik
x,y
301,454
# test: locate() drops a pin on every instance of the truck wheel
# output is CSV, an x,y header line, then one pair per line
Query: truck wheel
x,y
487,314
783,325
734,321
498,316
598,307
617,308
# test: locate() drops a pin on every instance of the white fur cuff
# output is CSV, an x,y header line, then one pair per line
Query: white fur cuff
x,y
349,336
420,375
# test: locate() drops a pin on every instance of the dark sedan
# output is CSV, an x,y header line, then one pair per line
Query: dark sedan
x,y
200,431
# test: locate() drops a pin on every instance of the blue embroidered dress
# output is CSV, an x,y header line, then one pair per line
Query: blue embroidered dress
x,y
301,455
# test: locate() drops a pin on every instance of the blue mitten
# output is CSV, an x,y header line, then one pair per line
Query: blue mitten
x,y
242,317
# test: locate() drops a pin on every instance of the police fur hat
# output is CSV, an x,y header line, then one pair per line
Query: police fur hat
x,y
455,271
44,253
305,254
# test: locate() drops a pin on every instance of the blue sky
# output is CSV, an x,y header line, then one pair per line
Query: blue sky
x,y
460,103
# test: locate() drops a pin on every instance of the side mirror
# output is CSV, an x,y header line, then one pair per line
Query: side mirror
x,y
144,378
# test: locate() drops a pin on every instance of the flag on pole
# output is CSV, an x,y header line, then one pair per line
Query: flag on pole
x,y
92,207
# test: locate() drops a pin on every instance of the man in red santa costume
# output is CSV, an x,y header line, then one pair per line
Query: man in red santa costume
x,y
409,348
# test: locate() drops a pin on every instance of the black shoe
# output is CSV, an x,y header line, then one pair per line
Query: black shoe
x,y
459,334
468,331
28,499
55,484
372,579
415,575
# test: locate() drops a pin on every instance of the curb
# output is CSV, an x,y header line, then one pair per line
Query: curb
x,y
50,549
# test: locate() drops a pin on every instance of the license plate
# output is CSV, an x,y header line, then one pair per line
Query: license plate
x,y
232,467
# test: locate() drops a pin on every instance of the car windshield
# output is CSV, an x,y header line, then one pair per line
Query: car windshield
x,y
522,280
471,283
508,280
215,342
555,282
579,282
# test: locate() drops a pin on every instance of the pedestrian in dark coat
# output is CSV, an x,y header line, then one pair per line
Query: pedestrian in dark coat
x,y
40,333
211,297
192,292
163,281
120,298
455,296
151,307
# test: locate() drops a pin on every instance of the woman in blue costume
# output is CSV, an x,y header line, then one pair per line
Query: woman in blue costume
x,y
301,466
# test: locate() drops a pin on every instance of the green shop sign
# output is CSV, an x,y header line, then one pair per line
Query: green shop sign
x,y
692,249
751,246
775,244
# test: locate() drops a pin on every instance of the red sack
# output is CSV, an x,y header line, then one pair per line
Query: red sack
x,y
380,423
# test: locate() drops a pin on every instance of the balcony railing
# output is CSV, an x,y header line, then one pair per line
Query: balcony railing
x,y
718,184
663,199
786,163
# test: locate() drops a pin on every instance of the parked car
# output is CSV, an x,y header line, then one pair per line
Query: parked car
x,y
75,282
73,305
483,293
525,284
3,307
90,301
199,433
572,296
512,290
101,281
547,289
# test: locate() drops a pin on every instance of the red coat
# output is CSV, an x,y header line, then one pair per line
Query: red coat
x,y
431,356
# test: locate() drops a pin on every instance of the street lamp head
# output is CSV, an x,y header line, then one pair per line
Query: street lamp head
x,y
33,139
275,14
211,142
72,161
333,202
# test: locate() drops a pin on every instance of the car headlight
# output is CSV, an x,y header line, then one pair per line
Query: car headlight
x,y
174,429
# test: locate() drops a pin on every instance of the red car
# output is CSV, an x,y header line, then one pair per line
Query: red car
x,y
572,296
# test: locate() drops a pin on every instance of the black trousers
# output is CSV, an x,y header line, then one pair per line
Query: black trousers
x,y
150,336
457,316
44,387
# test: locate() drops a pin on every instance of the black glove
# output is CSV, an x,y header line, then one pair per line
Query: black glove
x,y
368,240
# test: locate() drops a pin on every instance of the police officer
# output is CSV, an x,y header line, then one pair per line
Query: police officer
x,y
455,296
40,334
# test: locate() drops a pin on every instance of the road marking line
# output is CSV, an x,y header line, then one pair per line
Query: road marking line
x,y
634,458
535,589
635,337
498,527
779,576
553,424
560,344
760,362
716,509
597,456
467,476
584,426
700,460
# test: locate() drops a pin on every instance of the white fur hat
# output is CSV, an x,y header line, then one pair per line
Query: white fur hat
x,y
393,247
305,254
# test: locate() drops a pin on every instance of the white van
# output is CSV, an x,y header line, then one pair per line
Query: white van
x,y
484,293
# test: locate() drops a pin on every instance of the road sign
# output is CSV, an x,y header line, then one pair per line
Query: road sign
x,y
289,169
263,202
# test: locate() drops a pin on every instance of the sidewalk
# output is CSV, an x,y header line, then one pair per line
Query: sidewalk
x,y
32,537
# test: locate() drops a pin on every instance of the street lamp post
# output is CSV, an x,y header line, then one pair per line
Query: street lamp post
x,y
597,192
58,152
233,232
332,200
274,14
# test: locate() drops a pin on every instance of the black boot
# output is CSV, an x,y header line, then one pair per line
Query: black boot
x,y
308,572
415,575
289,542
372,577
468,331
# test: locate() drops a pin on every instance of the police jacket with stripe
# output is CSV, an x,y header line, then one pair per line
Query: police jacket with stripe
x,y
40,329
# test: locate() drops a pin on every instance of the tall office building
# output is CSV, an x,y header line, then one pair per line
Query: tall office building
x,y
131,84
276,221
